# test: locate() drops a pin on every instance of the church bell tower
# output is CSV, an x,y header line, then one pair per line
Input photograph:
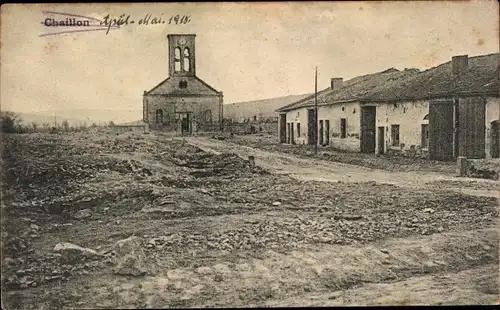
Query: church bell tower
x,y
181,55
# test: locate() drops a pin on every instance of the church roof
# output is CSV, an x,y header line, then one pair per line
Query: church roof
x,y
195,87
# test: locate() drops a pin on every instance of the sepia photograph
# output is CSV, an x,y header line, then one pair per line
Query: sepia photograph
x,y
249,154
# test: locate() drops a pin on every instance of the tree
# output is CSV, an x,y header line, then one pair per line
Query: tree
x,y
34,126
111,124
10,122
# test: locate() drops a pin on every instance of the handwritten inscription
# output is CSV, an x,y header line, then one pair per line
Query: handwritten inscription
x,y
66,23
148,19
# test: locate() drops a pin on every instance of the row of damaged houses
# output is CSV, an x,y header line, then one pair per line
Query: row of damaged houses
x,y
441,113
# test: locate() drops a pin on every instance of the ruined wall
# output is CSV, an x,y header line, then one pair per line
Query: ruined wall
x,y
130,128
409,115
246,128
169,105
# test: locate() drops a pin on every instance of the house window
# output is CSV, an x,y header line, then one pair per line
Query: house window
x,y
187,62
343,128
177,59
183,84
159,116
395,135
208,116
425,136
298,129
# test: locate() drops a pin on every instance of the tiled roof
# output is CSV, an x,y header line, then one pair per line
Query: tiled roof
x,y
412,84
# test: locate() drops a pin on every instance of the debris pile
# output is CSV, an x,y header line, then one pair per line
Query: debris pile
x,y
129,257
484,169
207,164
71,253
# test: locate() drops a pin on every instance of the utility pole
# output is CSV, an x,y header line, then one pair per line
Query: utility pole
x,y
316,111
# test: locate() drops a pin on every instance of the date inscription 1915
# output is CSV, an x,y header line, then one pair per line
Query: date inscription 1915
x,y
148,19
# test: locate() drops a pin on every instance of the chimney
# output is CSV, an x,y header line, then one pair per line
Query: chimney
x,y
460,65
336,83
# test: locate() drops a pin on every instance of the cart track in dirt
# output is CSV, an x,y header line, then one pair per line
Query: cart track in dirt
x,y
326,171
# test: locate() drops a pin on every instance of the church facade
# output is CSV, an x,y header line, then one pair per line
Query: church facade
x,y
183,102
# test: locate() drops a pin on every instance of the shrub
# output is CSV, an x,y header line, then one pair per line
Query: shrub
x,y
10,122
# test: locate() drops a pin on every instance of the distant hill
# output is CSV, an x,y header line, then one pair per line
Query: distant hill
x,y
80,116
258,108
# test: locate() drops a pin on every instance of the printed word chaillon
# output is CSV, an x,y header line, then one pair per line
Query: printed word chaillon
x,y
69,22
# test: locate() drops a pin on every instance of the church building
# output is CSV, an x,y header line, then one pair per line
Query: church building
x,y
183,102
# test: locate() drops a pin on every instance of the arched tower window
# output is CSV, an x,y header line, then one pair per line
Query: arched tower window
x,y
177,59
426,117
187,59
159,116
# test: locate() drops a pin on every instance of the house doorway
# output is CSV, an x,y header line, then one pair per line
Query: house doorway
x,y
282,121
288,141
368,118
495,139
312,133
424,136
327,132
321,142
441,130
472,127
381,140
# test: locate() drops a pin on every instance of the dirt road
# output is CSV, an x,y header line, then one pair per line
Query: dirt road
x,y
320,170
205,230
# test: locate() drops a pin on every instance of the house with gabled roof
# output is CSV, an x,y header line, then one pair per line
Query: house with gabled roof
x,y
444,112
182,102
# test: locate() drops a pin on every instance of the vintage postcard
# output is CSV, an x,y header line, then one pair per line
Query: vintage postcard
x,y
249,154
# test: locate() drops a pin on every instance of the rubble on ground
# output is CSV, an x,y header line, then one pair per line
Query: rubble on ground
x,y
129,257
82,214
73,253
484,169
90,187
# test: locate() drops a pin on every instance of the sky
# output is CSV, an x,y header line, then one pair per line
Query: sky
x,y
249,51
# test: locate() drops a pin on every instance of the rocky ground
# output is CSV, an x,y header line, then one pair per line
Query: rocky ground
x,y
133,220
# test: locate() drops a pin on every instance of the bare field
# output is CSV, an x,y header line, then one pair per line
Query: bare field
x,y
164,223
